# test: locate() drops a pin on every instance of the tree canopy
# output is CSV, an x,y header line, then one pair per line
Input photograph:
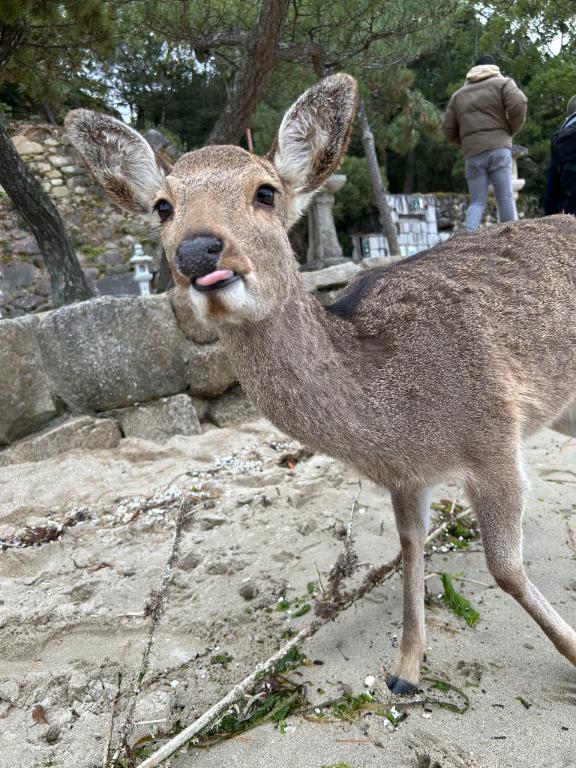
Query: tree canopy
x,y
205,70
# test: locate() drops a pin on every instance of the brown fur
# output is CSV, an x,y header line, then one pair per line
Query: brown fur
x,y
435,368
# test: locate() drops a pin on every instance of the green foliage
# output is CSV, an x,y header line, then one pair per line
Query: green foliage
x,y
169,65
356,198
533,41
57,44
417,118
273,699
91,252
457,603
348,707
164,86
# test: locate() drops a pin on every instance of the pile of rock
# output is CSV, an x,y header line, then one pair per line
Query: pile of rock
x,y
88,374
54,162
102,235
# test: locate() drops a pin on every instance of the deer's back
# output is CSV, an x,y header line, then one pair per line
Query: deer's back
x,y
484,322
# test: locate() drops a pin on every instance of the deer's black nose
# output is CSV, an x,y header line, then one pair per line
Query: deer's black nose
x,y
197,255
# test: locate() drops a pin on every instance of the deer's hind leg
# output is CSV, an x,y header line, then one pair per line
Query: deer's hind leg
x,y
498,498
411,509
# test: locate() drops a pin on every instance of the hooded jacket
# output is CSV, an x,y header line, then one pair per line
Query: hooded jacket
x,y
486,112
560,192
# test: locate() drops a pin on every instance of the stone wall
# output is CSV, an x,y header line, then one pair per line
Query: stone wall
x,y
102,235
88,374
451,210
125,366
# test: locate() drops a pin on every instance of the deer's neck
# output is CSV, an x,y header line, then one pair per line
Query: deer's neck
x,y
298,368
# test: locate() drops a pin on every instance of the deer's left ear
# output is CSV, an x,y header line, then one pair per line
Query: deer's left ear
x,y
313,137
120,160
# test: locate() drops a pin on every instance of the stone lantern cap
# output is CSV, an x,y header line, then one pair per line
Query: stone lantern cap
x,y
139,257
334,183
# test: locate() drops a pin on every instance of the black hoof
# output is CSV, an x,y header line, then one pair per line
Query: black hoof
x,y
400,686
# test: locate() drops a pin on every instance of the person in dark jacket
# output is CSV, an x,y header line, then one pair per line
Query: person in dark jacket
x,y
481,118
560,194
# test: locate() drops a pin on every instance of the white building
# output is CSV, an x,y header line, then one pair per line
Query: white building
x,y
414,217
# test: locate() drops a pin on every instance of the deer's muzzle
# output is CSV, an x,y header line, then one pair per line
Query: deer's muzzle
x,y
198,255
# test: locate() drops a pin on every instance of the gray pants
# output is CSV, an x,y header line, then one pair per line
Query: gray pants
x,y
495,166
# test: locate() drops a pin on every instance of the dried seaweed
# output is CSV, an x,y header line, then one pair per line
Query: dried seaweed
x,y
35,535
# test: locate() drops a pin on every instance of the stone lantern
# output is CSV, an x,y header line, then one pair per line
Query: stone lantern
x,y
322,239
518,152
142,274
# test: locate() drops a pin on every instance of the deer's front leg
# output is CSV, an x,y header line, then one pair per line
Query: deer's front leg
x,y
411,508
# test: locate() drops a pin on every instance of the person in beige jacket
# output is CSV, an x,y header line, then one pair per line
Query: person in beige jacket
x,y
481,118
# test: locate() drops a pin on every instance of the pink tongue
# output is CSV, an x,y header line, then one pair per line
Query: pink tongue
x,y
215,277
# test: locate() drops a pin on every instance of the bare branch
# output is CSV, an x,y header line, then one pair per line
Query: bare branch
x,y
154,608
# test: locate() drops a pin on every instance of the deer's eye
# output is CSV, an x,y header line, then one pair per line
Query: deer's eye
x,y
265,195
164,209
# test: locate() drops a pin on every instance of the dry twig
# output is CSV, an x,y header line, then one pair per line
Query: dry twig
x,y
373,578
110,730
154,609
459,578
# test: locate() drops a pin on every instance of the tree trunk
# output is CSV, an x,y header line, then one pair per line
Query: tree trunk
x,y
41,215
48,111
410,174
250,79
378,185
140,118
11,38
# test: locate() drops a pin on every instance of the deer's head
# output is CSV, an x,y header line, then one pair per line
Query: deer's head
x,y
224,213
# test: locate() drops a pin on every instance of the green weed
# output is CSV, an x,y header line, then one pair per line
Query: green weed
x,y
91,252
457,603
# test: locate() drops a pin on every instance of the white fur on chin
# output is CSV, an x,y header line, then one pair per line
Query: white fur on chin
x,y
235,298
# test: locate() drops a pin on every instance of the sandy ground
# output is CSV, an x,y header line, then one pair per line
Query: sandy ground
x,y
72,618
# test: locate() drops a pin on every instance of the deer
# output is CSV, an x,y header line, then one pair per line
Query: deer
x,y
435,368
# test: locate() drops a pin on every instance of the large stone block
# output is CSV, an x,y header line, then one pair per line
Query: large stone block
x,y
26,147
232,408
160,419
209,371
330,277
112,352
83,432
190,325
18,274
59,161
59,191
26,245
25,400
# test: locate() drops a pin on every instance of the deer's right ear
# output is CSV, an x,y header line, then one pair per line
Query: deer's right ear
x,y
120,160
313,137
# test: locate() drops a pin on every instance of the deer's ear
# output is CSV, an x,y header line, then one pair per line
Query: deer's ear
x,y
314,135
120,160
